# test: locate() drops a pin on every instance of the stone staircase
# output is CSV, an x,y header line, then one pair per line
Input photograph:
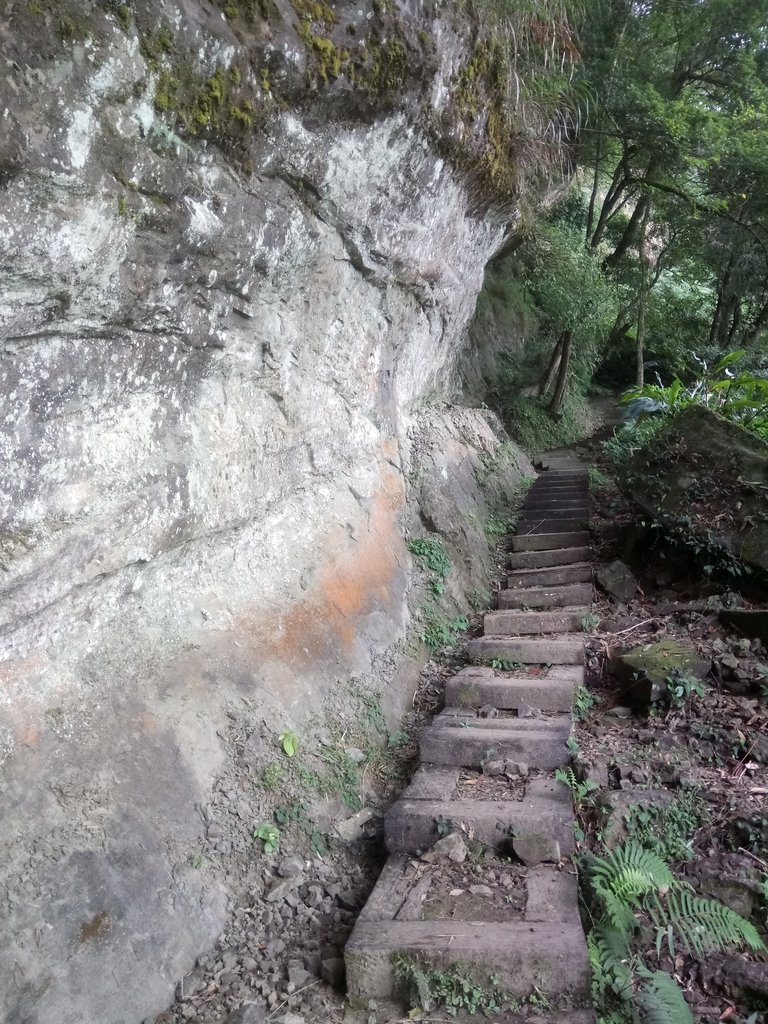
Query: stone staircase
x,y
508,919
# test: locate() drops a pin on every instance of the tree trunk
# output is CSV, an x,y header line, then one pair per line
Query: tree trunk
x,y
760,321
723,288
612,196
547,378
593,195
629,233
562,374
727,319
642,303
735,324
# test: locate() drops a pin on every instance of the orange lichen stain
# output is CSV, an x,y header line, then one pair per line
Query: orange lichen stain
x,y
348,587
30,737
148,722
94,929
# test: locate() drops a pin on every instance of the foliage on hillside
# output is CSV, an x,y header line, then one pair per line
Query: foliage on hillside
x,y
656,261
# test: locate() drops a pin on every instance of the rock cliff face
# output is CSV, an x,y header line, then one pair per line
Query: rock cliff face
x,y
229,279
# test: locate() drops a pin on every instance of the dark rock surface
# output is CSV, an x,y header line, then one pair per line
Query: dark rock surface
x,y
618,580
707,478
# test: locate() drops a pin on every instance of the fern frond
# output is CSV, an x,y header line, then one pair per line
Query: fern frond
x,y
611,962
633,870
703,925
659,1000
623,877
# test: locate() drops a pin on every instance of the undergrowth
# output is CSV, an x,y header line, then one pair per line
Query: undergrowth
x,y
455,989
637,903
532,426
451,987
434,560
668,831
440,630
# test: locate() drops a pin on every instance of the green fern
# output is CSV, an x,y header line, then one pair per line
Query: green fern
x,y
623,877
659,1000
629,883
611,963
703,925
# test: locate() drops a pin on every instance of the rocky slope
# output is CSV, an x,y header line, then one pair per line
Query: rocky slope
x,y
240,247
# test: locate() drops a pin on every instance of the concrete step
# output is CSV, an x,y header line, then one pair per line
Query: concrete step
x,y
559,491
574,594
538,746
550,558
561,650
543,513
554,486
411,826
479,686
533,525
519,957
561,473
441,782
521,623
550,541
556,576
543,500
468,718
538,505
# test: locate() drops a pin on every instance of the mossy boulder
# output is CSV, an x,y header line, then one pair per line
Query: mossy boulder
x,y
706,480
643,671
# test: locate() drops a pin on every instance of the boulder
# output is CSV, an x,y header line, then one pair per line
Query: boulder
x,y
709,475
618,580
536,849
453,847
643,671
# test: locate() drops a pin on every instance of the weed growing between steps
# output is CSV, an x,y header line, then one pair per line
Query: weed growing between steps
x,y
456,989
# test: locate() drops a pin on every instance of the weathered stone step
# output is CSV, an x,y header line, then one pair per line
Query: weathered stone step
x,y
441,782
479,686
411,826
543,513
561,650
573,594
520,623
564,501
544,504
566,490
467,718
532,525
540,746
549,541
551,558
556,576
555,486
521,957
